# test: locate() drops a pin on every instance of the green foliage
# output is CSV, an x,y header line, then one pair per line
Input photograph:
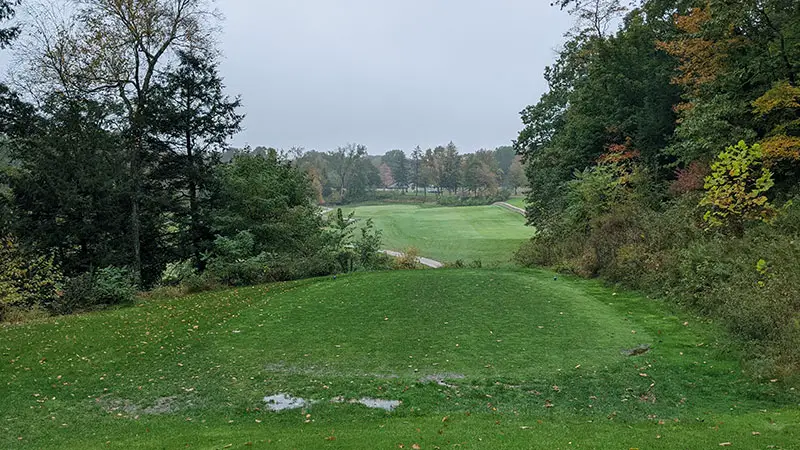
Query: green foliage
x,y
236,261
26,279
177,272
736,188
101,288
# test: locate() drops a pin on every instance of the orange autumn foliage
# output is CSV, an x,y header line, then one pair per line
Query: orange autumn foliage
x,y
701,59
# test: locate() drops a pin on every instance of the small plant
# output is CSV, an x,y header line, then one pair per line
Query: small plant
x,y
409,259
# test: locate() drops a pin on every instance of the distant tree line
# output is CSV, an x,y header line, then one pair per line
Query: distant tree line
x,y
349,173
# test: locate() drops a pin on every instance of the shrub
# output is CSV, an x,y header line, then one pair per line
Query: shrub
x,y
26,279
234,261
104,287
736,188
113,286
408,260
177,272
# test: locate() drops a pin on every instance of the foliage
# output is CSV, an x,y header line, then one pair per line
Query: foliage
x,y
27,279
91,290
736,188
235,261
192,114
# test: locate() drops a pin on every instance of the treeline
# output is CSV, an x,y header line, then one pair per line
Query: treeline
x,y
349,174
666,156
111,172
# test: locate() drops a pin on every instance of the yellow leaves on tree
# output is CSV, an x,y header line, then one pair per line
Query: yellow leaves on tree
x,y
736,188
781,148
781,103
782,96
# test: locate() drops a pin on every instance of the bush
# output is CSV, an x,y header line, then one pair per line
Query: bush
x,y
104,287
408,260
113,286
234,261
27,280
501,196
177,272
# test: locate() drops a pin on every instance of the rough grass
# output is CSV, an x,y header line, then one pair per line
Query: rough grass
x,y
519,202
540,358
447,234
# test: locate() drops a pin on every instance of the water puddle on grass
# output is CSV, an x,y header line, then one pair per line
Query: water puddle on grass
x,y
282,402
375,403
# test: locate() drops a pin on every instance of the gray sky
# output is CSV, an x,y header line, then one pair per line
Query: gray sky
x,y
386,74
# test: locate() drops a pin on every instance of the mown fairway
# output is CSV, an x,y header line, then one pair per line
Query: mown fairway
x,y
540,360
447,234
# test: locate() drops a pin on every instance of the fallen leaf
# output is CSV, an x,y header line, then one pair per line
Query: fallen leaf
x,y
416,447
725,444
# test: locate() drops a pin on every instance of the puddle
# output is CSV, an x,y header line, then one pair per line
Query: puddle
x,y
282,402
375,403
439,378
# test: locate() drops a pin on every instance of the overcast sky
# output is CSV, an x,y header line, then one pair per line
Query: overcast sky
x,y
386,74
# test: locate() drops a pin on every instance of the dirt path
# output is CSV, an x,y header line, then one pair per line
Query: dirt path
x,y
424,261
510,207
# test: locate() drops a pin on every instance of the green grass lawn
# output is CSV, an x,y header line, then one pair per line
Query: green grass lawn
x,y
519,202
540,360
488,233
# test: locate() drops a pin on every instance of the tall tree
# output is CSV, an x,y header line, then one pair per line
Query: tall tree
x,y
195,117
398,163
416,168
115,48
345,162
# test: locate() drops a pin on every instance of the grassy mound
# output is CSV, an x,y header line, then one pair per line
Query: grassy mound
x,y
478,358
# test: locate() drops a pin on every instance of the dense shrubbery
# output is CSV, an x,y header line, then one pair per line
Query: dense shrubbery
x,y
500,196
101,288
27,280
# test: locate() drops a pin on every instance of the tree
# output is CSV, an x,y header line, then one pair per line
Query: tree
x,y
387,180
114,48
195,118
416,168
7,35
345,162
397,162
516,175
77,214
272,200
593,17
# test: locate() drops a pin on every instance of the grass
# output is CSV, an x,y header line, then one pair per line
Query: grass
x,y
540,358
519,202
488,233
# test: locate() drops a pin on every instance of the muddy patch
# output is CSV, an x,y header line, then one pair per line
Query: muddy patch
x,y
636,351
161,406
440,379
282,402
319,371
374,403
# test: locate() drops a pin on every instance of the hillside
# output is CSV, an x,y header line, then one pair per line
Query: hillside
x,y
503,358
